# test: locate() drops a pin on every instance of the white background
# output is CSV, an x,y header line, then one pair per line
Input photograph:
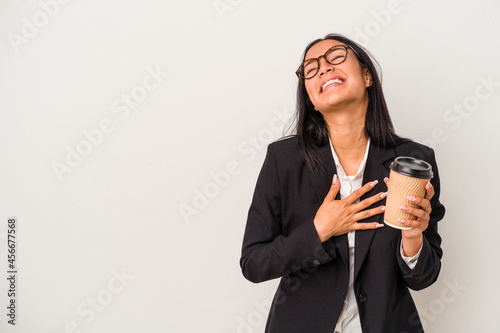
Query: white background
x,y
230,66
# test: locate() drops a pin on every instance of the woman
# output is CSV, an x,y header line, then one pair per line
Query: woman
x,y
313,223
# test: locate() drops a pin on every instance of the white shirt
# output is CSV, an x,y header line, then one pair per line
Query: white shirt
x,y
349,321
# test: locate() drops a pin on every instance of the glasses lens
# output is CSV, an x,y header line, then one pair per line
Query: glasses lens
x,y
309,68
336,55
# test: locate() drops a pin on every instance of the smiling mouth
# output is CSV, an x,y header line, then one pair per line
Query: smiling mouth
x,y
335,82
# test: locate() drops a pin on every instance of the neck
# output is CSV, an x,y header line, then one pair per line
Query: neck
x,y
346,128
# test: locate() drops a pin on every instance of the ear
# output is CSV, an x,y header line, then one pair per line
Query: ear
x,y
367,77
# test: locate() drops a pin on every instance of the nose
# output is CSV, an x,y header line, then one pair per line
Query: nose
x,y
324,66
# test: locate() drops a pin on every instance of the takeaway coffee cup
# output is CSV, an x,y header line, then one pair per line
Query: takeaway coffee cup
x,y
408,177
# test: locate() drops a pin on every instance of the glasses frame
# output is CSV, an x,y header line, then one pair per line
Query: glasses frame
x,y
343,46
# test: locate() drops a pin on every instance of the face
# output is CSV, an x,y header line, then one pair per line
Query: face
x,y
337,85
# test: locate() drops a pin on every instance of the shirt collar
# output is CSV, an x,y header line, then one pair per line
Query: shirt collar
x,y
362,166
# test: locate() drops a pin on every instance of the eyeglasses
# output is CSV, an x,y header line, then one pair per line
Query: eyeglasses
x,y
334,56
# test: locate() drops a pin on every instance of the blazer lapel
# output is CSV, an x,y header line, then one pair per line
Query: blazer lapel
x,y
377,167
322,181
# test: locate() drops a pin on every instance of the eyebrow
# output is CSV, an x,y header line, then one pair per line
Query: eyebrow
x,y
325,52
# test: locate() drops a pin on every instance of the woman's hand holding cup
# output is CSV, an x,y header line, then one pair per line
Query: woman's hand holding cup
x,y
412,238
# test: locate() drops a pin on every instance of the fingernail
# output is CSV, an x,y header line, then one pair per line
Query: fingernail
x,y
380,225
430,185
383,195
411,198
382,208
402,221
386,178
373,183
334,180
403,208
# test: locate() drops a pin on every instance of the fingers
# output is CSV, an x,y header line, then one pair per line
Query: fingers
x,y
429,191
368,213
360,192
425,204
369,201
334,189
420,213
386,181
415,224
367,226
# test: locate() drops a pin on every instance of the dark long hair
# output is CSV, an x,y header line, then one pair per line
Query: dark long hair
x,y
311,128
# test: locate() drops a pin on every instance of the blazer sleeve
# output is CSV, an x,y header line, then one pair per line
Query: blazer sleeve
x,y
427,269
267,252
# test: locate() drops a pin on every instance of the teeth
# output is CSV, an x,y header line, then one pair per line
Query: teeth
x,y
338,81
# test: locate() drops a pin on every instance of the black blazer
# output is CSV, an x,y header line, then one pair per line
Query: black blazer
x,y
281,241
